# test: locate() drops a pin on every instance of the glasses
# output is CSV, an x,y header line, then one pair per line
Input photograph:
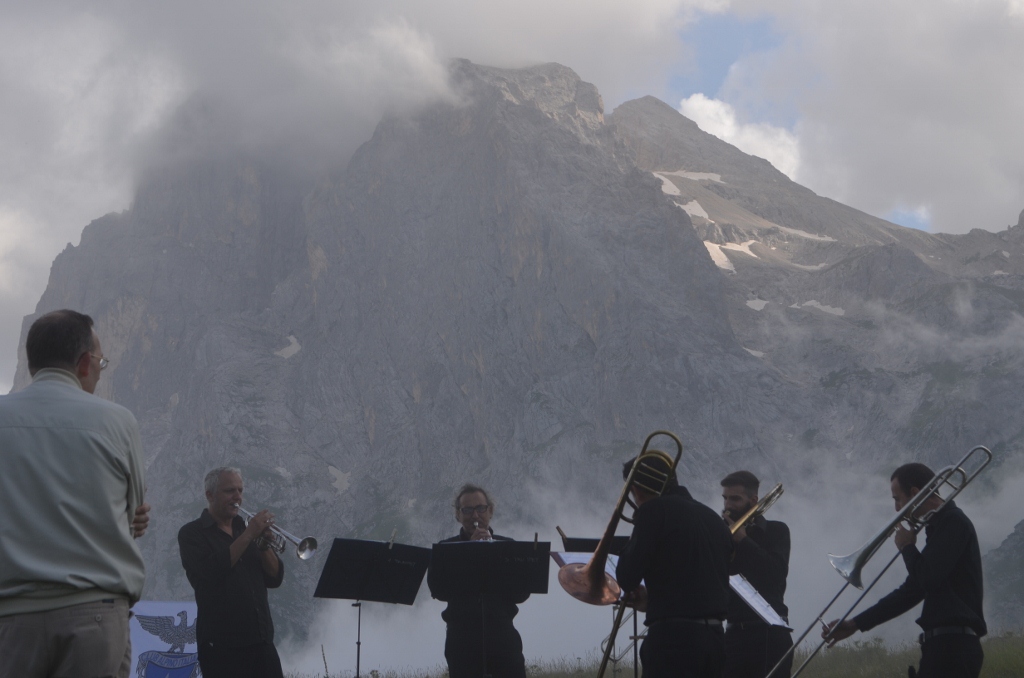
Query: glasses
x,y
103,361
470,510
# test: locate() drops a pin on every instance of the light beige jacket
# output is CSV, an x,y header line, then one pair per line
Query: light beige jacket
x,y
71,478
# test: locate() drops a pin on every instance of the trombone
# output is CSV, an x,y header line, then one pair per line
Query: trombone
x,y
850,567
304,548
590,583
758,509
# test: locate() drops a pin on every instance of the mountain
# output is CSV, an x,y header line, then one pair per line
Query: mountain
x,y
1005,582
886,324
515,289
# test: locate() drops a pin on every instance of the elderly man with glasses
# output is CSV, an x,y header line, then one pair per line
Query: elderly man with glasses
x,y
464,644
71,492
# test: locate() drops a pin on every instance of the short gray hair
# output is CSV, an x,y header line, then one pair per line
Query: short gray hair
x,y
212,479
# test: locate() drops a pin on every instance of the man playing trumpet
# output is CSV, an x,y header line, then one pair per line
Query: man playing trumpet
x,y
465,641
231,565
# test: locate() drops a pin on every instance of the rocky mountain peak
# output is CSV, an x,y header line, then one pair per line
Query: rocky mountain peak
x,y
551,88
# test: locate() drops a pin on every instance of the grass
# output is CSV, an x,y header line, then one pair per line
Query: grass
x,y
1004,658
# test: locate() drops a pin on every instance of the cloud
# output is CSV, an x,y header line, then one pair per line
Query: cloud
x,y
898,104
96,94
926,119
777,145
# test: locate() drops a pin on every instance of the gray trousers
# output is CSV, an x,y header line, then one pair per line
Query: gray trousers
x,y
80,641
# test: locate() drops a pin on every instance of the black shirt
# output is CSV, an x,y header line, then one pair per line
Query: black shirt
x,y
468,612
231,602
681,549
763,558
946,574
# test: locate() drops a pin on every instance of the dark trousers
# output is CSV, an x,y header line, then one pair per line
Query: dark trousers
x,y
681,649
251,661
951,656
464,651
752,651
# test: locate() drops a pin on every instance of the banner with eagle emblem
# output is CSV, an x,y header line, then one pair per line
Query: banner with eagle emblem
x,y
164,640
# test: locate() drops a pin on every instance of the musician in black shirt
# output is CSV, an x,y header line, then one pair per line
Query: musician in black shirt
x,y
945,574
680,549
231,575
753,647
479,628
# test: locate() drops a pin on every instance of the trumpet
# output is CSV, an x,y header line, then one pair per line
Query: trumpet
x,y
304,548
758,509
590,583
476,525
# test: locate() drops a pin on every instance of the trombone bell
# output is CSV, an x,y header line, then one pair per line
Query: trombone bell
x,y
579,582
849,568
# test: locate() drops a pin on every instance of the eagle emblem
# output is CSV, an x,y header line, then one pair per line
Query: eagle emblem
x,y
178,635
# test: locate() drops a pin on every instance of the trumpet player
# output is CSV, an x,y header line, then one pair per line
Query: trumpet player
x,y
945,574
481,639
230,565
753,647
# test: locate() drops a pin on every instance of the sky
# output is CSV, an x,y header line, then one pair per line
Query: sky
x,y
909,111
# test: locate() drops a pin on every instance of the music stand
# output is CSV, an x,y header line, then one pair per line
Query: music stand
x,y
379,571
478,569
587,545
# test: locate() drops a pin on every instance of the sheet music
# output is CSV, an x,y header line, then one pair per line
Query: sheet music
x,y
758,604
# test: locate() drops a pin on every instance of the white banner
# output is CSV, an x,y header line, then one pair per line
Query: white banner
x,y
164,640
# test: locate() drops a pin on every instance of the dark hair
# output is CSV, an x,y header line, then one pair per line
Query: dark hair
x,y
910,476
58,339
745,479
470,488
652,464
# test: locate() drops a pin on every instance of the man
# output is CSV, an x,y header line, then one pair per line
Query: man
x,y
468,617
71,497
946,574
231,565
753,647
681,550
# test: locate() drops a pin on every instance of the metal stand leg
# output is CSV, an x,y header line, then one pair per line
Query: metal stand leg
x,y
636,648
359,634
483,639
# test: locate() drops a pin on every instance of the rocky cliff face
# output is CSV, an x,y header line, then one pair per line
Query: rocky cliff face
x,y
886,324
514,289
1004,583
